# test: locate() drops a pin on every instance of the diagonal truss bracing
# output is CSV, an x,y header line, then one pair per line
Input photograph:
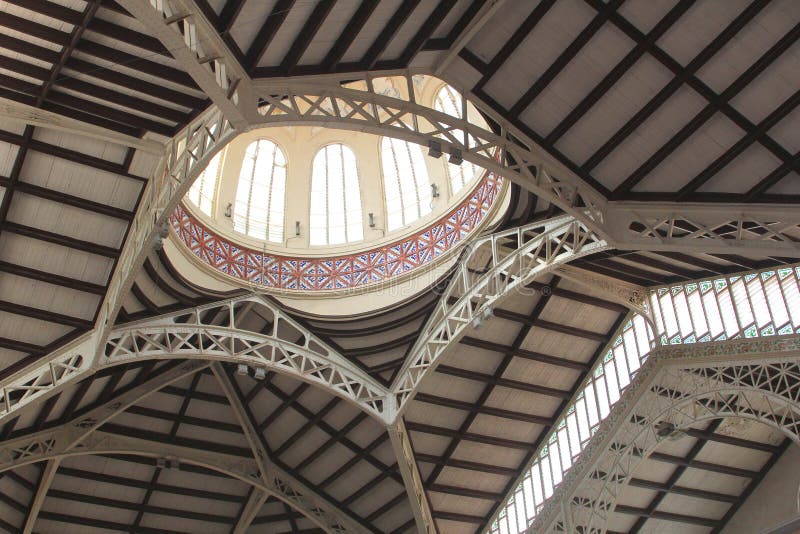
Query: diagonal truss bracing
x,y
536,249
282,345
290,490
756,379
85,435
195,43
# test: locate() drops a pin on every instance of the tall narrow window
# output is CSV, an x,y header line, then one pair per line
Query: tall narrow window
x,y
450,101
335,197
202,192
261,193
405,177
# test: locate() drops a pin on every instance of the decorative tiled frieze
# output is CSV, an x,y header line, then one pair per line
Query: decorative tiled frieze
x,y
337,272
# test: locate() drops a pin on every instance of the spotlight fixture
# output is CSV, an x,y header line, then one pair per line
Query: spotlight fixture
x,y
242,369
173,463
371,220
455,157
260,373
228,210
297,228
434,191
434,149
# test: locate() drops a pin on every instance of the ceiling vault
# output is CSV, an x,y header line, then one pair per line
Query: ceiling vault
x,y
636,179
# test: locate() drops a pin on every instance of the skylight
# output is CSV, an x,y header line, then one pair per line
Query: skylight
x,y
406,182
757,304
336,215
261,192
202,192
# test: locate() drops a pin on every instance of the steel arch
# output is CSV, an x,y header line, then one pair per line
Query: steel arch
x,y
287,348
277,483
753,379
540,248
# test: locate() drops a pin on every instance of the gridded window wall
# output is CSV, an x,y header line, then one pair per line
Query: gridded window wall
x,y
204,188
406,182
335,197
450,101
756,304
261,192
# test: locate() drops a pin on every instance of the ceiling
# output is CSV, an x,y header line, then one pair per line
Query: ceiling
x,y
655,101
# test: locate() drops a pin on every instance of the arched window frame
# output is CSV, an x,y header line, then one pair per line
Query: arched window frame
x,y
465,173
323,227
406,182
271,228
198,193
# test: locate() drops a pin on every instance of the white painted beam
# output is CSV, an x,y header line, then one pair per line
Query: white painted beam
x,y
253,505
412,480
197,46
45,482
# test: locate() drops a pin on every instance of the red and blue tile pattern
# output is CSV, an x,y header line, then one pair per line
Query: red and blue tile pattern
x,y
338,272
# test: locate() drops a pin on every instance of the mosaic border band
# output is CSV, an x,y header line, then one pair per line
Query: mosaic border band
x,y
344,271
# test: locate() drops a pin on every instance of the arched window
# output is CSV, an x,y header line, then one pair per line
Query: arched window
x,y
335,197
202,192
450,101
405,177
261,193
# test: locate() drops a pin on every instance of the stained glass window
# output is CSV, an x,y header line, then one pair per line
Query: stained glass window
x,y
335,197
406,182
261,192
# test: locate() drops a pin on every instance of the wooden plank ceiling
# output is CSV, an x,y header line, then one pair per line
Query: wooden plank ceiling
x,y
653,101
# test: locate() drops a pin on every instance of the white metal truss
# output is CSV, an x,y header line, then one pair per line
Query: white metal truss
x,y
44,447
84,435
412,480
514,257
768,229
253,505
284,347
757,379
18,112
334,106
45,481
631,296
292,491
195,43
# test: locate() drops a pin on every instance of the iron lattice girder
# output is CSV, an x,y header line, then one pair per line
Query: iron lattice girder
x,y
412,480
539,248
195,43
84,435
755,379
285,347
48,446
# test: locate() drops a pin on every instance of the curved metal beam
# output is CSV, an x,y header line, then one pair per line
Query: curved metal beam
x,y
46,446
515,257
745,378
286,347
